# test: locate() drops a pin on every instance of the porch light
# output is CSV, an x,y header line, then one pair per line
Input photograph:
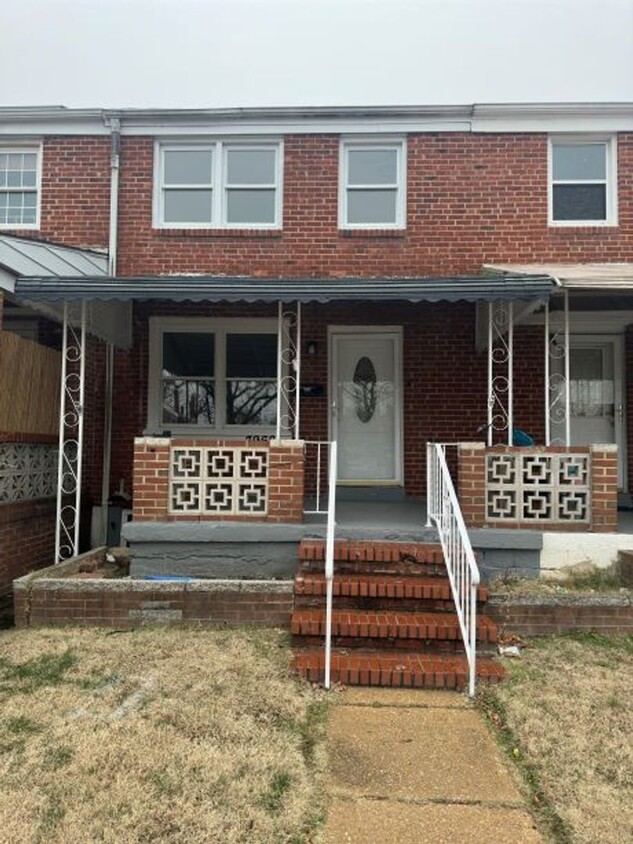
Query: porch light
x,y
311,347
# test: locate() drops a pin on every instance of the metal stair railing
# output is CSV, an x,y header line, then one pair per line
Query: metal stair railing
x,y
444,511
329,560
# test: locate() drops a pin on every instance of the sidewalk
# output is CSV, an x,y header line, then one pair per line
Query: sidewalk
x,y
418,767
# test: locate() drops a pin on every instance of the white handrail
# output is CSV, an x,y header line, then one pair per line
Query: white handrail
x,y
444,511
329,560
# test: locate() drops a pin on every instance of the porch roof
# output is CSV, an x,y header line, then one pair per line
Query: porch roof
x,y
189,288
615,276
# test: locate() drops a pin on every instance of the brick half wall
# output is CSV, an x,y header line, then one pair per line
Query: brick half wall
x,y
601,488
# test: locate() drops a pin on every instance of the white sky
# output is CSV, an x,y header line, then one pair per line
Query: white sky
x,y
213,53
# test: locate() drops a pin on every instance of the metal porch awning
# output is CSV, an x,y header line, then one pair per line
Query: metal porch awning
x,y
596,277
25,257
187,288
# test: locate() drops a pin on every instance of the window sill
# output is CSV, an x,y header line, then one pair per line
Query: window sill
x,y
256,233
583,228
391,234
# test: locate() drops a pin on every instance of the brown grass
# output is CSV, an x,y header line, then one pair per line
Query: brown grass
x,y
566,715
156,736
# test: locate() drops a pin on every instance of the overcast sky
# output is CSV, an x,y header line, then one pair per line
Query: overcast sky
x,y
206,53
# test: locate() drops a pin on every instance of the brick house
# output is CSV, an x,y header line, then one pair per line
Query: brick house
x,y
235,287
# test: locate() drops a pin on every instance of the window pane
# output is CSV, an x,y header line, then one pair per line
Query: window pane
x,y
250,206
250,167
580,202
579,161
372,167
188,354
251,402
371,206
187,206
188,402
188,167
251,355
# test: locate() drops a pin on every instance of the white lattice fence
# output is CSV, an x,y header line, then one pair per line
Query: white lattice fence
x,y
538,487
27,471
219,480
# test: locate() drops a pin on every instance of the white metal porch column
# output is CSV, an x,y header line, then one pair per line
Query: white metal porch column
x,y
288,370
557,375
500,371
71,424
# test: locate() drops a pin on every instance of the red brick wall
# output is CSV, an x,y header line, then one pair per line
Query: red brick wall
x,y
543,619
27,539
151,480
471,199
128,605
603,498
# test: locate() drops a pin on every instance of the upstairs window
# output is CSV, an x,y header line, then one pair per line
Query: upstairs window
x,y
372,185
219,185
582,182
19,187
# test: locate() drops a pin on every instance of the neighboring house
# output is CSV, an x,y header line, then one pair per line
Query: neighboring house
x,y
382,277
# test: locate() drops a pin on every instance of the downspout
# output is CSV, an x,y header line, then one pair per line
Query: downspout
x,y
115,153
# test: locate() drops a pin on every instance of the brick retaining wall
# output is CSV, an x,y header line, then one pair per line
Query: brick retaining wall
x,y
51,597
540,615
27,538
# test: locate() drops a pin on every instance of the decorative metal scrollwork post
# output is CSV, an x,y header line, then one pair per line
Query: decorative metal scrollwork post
x,y
288,371
557,380
500,370
71,420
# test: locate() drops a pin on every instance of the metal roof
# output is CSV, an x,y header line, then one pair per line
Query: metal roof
x,y
22,256
581,276
186,288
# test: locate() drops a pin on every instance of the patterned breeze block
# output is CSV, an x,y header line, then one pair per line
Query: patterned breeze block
x,y
218,481
538,487
27,471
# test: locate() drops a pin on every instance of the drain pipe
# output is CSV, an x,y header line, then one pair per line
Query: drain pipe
x,y
115,152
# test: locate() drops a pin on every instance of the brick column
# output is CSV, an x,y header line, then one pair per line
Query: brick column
x,y
471,482
604,488
151,479
285,481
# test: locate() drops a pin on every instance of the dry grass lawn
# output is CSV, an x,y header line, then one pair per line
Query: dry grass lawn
x,y
156,736
566,715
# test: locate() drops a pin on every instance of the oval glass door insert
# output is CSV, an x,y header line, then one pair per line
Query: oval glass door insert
x,y
365,389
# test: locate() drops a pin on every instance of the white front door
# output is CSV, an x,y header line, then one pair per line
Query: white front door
x,y
365,405
596,401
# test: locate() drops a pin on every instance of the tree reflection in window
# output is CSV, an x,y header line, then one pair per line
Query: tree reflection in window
x,y
364,386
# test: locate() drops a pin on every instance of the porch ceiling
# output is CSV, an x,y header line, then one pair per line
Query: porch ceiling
x,y
185,288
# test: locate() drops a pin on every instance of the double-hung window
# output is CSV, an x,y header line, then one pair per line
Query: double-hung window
x,y
214,375
19,187
582,183
372,185
218,184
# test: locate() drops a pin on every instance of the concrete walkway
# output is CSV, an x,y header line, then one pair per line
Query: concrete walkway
x,y
418,767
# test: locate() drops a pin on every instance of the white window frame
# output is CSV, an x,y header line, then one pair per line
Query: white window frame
x,y
219,149
611,180
20,149
219,328
378,143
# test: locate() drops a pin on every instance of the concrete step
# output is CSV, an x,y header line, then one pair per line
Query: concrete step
x,y
377,626
395,669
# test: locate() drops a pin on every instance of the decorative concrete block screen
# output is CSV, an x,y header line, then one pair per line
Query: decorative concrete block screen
x,y
539,488
189,480
217,481
27,471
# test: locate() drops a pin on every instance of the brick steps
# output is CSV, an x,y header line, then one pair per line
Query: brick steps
x,y
393,620
376,668
362,624
400,587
